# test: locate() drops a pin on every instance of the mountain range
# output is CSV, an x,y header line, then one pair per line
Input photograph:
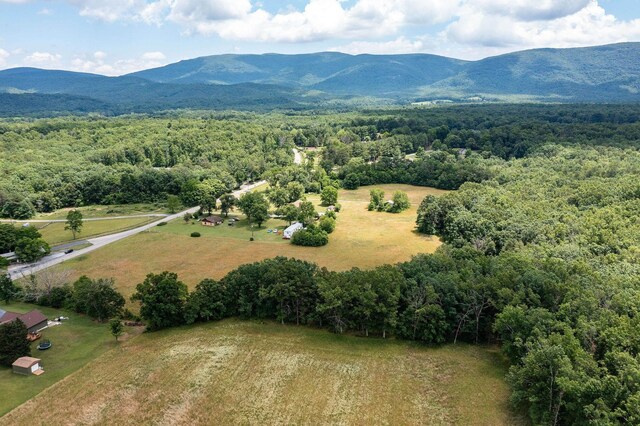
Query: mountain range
x,y
608,73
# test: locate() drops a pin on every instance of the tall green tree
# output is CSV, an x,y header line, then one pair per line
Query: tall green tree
x,y
227,203
97,298
376,199
400,202
306,212
31,250
255,206
74,222
329,196
162,300
13,342
8,289
116,327
173,203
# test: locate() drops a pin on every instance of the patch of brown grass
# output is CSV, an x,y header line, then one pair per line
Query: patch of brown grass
x,y
236,372
362,239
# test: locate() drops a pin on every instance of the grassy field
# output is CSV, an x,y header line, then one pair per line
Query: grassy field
x,y
106,211
362,239
236,372
54,233
75,343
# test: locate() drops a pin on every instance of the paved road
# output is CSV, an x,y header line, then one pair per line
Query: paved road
x,y
19,271
89,219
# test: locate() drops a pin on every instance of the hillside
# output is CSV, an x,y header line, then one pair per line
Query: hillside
x,y
272,81
133,94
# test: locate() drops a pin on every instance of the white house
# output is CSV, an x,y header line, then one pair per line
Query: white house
x,y
288,233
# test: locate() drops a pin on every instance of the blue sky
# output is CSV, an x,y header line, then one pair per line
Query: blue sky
x,y
119,36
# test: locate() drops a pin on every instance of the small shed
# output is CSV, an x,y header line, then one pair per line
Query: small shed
x,y
27,365
212,221
288,233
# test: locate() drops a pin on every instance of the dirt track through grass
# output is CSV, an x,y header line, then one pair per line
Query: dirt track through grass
x,y
237,372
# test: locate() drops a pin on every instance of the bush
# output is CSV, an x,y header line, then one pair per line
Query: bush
x,y
195,234
162,224
327,224
351,181
310,237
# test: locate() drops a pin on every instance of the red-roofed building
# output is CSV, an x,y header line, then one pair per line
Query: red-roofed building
x,y
34,320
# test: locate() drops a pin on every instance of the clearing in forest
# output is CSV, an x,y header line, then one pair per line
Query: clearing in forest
x,y
361,239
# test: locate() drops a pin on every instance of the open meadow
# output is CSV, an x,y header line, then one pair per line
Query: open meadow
x,y
362,239
75,342
54,233
241,372
111,210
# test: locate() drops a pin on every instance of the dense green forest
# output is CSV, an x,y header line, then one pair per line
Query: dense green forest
x,y
47,164
542,237
63,162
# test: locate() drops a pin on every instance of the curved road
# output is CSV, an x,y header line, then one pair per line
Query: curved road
x,y
19,271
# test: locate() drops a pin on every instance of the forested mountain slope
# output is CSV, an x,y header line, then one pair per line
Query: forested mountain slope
x,y
595,74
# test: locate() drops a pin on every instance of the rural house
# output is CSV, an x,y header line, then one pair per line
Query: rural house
x,y
34,320
27,365
288,233
212,221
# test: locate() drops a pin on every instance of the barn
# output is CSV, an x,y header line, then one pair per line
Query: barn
x,y
27,365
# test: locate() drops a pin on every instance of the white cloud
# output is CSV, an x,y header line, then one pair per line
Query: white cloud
x,y
472,28
318,20
111,10
590,25
4,55
396,46
153,56
43,59
97,63
45,11
527,10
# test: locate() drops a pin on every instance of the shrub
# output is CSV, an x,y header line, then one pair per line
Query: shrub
x,y
351,181
195,234
310,237
327,224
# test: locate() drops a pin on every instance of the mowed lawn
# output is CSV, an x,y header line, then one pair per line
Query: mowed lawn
x,y
75,343
362,239
237,372
54,233
107,210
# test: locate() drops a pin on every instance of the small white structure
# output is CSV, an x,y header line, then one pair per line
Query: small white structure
x,y
288,233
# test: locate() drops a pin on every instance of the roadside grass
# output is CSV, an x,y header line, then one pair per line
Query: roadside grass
x,y
54,233
362,239
108,210
75,343
249,372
